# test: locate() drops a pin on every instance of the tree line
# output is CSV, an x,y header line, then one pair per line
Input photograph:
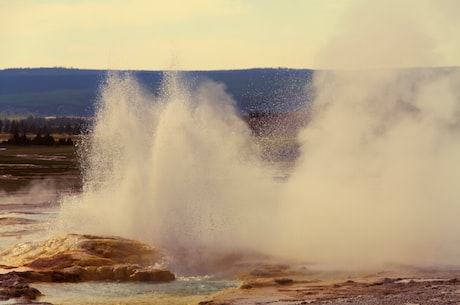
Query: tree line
x,y
41,128
31,124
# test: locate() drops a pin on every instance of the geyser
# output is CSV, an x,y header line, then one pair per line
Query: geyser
x,y
180,171
376,181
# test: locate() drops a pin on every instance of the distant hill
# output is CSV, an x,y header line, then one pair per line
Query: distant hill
x,y
72,92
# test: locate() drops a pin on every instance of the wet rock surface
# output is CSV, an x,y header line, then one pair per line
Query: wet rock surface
x,y
75,258
4,221
13,285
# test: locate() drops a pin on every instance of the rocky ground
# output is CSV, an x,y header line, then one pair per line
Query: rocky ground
x,y
291,287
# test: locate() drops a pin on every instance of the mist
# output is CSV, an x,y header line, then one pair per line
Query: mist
x,y
392,35
376,181
376,178
35,192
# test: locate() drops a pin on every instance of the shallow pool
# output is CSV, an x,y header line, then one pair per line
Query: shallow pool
x,y
181,291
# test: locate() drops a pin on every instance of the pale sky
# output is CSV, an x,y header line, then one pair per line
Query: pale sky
x,y
226,34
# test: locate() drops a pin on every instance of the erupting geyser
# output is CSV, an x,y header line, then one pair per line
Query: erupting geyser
x,y
180,171
376,181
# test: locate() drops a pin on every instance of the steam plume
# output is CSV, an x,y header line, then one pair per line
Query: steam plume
x,y
376,180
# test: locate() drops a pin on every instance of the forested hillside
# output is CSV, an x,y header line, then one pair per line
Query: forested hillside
x,y
72,92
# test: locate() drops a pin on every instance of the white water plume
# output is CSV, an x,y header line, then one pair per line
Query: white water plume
x,y
180,171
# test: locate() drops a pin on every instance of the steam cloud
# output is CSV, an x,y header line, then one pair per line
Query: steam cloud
x,y
377,178
36,192
394,34
376,181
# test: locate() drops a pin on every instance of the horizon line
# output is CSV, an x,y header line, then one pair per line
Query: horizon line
x,y
232,69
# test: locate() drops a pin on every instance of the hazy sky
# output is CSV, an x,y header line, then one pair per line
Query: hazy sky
x,y
219,34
